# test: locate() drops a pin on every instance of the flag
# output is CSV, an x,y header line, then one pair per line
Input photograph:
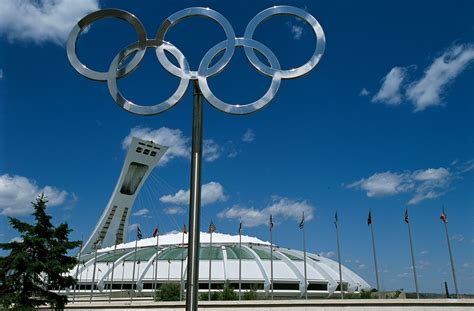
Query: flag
x,y
406,216
335,219
212,227
184,229
169,261
301,225
369,219
155,232
139,233
443,217
271,222
240,227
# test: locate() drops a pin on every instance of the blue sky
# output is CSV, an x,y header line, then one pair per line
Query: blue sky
x,y
383,122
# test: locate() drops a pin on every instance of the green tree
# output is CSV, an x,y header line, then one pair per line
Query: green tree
x,y
38,264
168,292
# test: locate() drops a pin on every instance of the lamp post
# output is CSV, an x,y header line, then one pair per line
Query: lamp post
x,y
207,69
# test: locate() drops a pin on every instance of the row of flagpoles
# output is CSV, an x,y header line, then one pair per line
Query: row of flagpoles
x,y
212,229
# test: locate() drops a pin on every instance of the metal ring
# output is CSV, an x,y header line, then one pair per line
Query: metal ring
x,y
139,109
89,20
190,12
286,10
240,108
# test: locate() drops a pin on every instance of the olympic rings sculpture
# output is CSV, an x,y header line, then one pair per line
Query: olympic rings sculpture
x,y
205,71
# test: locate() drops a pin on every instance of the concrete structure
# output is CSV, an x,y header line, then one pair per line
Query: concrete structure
x,y
142,157
323,273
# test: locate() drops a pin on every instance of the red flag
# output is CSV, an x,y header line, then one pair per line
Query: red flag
x,y
369,219
155,232
443,217
406,216
212,227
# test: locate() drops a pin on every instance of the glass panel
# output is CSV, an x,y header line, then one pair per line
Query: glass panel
x,y
234,252
205,253
134,176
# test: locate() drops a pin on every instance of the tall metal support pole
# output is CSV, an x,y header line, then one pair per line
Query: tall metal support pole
x,y
271,260
375,258
77,269
305,271
113,268
451,259
339,260
210,268
93,272
413,260
132,289
156,261
240,262
181,279
195,203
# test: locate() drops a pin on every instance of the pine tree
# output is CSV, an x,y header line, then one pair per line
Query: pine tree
x,y
38,265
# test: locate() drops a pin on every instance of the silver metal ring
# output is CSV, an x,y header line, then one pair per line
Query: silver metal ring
x,y
187,13
286,10
89,20
140,109
240,108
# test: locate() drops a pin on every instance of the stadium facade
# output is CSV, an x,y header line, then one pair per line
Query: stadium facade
x,y
108,265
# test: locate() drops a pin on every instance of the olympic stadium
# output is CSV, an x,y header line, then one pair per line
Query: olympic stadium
x,y
167,263
109,265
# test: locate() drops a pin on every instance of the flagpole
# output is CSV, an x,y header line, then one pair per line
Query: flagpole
x,y
93,272
271,256
412,255
156,259
240,261
339,258
132,289
451,258
210,266
77,269
113,269
375,257
181,276
305,272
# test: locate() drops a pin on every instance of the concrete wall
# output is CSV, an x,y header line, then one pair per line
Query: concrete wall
x,y
283,305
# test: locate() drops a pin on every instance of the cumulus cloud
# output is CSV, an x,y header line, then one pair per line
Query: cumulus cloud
x,y
16,239
178,144
41,21
141,212
280,208
174,210
421,184
210,150
329,254
249,136
133,227
17,193
427,91
364,92
211,192
390,92
457,238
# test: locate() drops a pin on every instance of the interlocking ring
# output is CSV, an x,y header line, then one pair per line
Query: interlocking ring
x,y
205,71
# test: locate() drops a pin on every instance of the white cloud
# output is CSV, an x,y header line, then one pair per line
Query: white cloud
x,y
329,254
178,144
211,192
174,139
427,91
133,227
424,252
1,74
280,207
42,20
421,184
364,92
457,238
16,239
297,31
141,212
384,184
210,150
390,92
174,210
249,136
17,193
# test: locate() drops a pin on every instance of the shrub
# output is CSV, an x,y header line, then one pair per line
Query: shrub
x,y
250,294
168,292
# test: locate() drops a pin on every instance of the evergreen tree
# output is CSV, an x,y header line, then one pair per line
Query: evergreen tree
x,y
37,265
